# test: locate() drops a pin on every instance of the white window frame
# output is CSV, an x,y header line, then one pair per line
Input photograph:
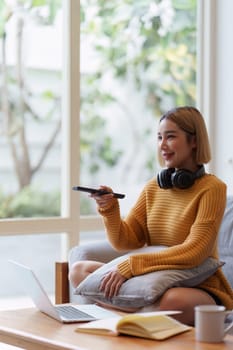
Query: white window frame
x,y
206,67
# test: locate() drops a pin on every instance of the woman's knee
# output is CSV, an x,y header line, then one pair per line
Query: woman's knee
x,y
76,272
172,299
184,300
81,269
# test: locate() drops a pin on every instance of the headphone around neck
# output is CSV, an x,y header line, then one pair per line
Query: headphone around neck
x,y
181,178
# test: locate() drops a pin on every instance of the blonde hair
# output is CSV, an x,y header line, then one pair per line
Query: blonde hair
x,y
190,120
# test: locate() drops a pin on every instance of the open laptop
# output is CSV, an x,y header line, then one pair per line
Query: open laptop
x,y
63,313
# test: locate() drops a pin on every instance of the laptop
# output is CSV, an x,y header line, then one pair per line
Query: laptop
x,y
63,313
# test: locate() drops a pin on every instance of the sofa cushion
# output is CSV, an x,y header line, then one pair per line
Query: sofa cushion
x,y
143,290
225,240
98,251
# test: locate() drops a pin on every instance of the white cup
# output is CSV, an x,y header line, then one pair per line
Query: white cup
x,y
209,323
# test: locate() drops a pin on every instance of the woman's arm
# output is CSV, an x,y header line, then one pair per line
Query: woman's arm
x,y
130,233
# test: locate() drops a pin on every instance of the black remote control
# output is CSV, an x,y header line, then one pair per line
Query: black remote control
x,y
96,191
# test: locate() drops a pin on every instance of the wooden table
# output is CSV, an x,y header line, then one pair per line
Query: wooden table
x,y
32,330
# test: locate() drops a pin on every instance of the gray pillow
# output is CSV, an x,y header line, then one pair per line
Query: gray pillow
x,y
145,289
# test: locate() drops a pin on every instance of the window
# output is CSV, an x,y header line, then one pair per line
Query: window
x,y
137,59
31,89
46,236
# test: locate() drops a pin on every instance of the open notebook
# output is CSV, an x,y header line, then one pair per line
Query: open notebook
x,y
62,313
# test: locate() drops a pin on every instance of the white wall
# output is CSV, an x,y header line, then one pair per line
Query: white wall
x,y
224,92
215,77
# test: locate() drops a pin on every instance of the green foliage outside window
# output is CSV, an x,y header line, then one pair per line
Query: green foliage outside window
x,y
149,44
152,45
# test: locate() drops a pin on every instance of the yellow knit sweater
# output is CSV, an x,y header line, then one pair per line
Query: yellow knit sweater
x,y
185,220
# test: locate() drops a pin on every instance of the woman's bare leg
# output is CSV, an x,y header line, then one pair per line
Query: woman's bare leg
x,y
81,269
183,299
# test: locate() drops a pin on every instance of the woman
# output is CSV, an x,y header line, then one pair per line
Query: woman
x,y
181,209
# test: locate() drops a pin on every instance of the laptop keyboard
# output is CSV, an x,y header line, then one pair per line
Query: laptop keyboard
x,y
71,313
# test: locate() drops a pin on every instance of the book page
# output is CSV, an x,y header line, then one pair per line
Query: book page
x,y
151,327
105,327
124,324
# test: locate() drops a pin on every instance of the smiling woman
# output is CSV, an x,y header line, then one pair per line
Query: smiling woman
x,y
183,141
183,215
